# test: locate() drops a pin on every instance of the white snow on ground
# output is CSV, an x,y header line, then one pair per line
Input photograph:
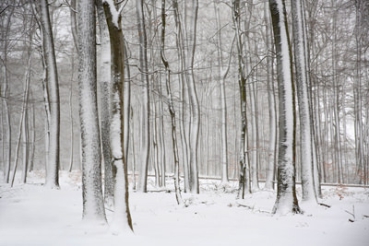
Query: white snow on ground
x,y
34,215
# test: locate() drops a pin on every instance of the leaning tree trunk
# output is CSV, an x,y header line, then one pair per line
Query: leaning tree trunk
x,y
286,193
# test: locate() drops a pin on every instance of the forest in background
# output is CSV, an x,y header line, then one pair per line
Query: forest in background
x,y
207,58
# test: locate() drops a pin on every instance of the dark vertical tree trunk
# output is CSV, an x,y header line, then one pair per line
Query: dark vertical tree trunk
x,y
286,193
170,105
244,179
122,215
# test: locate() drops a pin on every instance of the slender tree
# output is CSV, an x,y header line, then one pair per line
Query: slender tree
x,y
302,81
104,87
269,183
170,105
53,162
145,144
244,179
4,89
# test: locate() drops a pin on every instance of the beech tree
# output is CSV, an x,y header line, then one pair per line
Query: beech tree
x,y
122,216
145,142
93,205
104,89
302,81
52,90
244,173
4,87
170,105
286,190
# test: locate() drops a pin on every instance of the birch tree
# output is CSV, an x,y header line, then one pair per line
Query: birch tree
x,y
93,205
286,190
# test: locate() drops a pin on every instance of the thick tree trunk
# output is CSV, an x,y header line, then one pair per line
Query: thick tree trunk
x,y
93,204
286,193
122,215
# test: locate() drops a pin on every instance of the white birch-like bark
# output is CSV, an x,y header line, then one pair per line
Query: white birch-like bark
x,y
286,193
53,163
93,204
302,81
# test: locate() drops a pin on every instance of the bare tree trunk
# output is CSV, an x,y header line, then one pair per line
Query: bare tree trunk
x,y
27,78
122,215
142,186
183,98
4,93
104,87
222,78
170,106
52,177
244,179
286,193
302,79
269,183
93,203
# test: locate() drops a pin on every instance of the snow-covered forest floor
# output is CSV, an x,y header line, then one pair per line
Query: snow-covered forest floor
x,y
33,215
